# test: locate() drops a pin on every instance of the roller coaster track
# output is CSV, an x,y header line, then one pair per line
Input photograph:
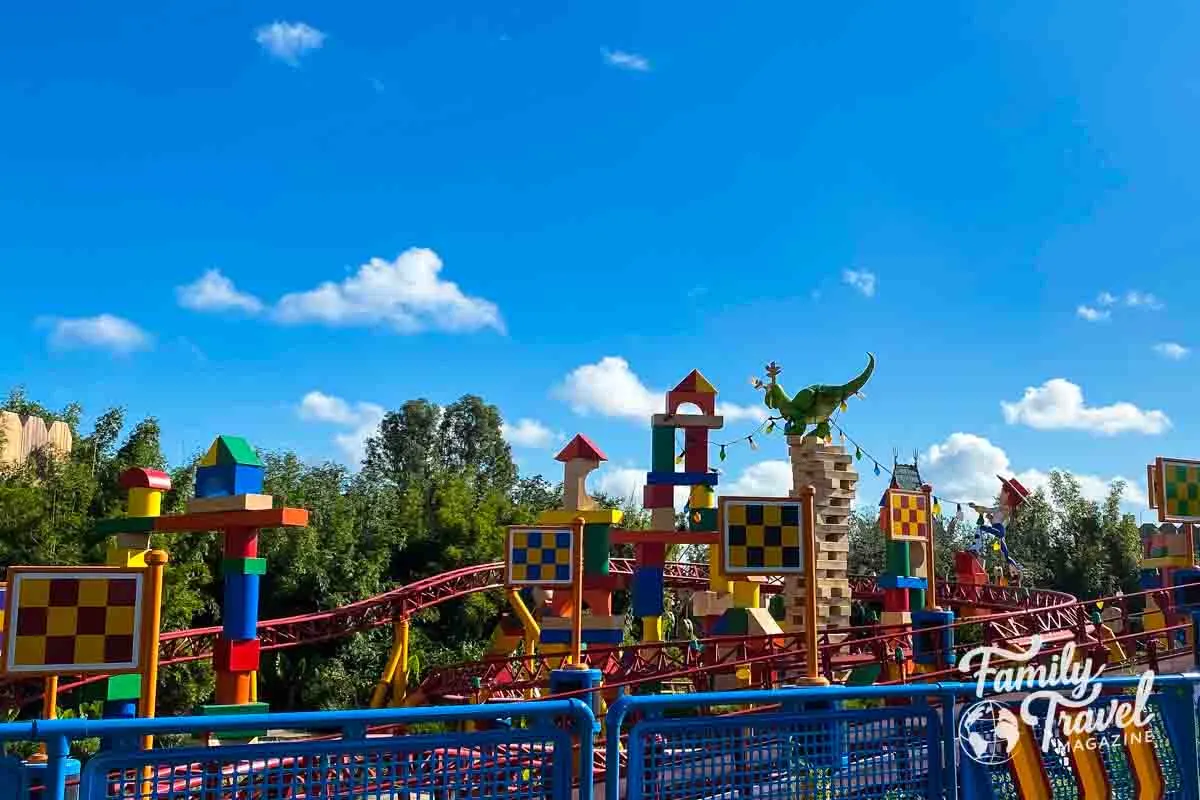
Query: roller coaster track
x,y
1043,611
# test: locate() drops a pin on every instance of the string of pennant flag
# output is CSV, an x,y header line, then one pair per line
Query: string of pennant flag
x,y
768,426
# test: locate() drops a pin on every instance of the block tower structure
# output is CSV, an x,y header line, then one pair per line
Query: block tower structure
x,y
906,519
829,469
600,626
1166,549
659,492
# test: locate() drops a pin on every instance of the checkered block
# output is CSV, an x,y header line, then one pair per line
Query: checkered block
x,y
908,516
1178,490
73,620
540,556
762,537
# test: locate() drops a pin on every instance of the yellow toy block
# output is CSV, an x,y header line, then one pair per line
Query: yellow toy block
x,y
145,502
746,594
558,516
652,630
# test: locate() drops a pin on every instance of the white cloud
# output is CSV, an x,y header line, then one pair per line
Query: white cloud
x,y
965,466
288,41
1106,299
1137,299
623,60
101,332
1092,314
861,280
1058,405
361,418
406,294
610,388
1171,350
766,478
212,291
620,482
527,433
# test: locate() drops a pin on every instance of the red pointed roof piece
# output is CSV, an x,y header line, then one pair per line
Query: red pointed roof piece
x,y
695,382
581,447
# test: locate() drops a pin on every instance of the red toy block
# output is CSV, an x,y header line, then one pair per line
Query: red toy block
x,y
240,656
651,554
695,450
658,496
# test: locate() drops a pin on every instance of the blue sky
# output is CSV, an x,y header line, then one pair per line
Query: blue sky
x,y
212,212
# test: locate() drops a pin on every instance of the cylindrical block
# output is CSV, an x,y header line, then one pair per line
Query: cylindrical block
x,y
241,543
240,610
899,559
895,600
233,688
568,680
145,502
931,646
702,497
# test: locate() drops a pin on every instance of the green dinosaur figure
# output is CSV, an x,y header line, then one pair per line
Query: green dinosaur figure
x,y
811,406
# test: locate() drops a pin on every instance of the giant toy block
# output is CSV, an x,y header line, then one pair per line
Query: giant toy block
x,y
1174,489
229,481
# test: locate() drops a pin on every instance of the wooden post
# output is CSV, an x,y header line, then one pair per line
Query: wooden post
x,y
811,636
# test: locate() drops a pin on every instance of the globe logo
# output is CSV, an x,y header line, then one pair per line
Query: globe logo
x,y
988,733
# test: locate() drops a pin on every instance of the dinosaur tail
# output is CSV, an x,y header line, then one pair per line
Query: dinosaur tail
x,y
861,381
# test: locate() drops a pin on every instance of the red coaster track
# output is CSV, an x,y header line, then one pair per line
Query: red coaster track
x,y
1040,611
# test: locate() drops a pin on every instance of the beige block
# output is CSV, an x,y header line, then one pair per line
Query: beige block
x,y
239,502
662,519
711,604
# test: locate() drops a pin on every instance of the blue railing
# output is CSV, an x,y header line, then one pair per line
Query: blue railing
x,y
534,755
865,743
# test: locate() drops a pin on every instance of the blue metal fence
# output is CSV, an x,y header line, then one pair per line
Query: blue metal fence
x,y
884,742
535,756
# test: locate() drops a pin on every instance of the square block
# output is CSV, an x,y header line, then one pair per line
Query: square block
x,y
236,656
123,687
651,554
658,496
227,480
244,566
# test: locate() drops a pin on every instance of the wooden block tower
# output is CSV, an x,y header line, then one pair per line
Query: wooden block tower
x,y
905,518
600,626
659,492
830,471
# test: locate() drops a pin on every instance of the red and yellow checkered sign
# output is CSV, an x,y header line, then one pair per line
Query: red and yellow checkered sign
x,y
908,516
73,620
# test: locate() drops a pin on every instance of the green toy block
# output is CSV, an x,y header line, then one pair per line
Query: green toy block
x,y
217,710
702,519
243,566
125,525
123,687
662,450
596,543
899,559
916,598
233,450
734,622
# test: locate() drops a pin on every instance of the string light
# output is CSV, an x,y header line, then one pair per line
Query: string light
x,y
937,507
751,442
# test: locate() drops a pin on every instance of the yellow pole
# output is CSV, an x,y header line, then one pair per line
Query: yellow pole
x,y
577,596
156,560
379,694
809,509
400,682
533,631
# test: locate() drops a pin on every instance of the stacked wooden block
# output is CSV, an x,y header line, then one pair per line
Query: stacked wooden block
x,y
830,471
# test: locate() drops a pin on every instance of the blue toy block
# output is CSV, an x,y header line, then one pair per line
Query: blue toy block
x,y
1149,579
681,478
241,607
647,591
1184,597
555,636
901,582
602,635
930,645
227,480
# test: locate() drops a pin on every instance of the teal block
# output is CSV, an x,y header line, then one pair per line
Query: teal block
x,y
596,545
244,566
702,519
109,527
662,449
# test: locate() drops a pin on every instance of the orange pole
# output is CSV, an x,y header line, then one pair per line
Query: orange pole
x,y
930,560
156,561
577,594
809,509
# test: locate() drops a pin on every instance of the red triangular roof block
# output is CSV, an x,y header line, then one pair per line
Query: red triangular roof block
x,y
695,382
581,447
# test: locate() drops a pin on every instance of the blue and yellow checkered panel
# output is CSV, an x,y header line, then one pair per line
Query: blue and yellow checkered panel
x,y
540,556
